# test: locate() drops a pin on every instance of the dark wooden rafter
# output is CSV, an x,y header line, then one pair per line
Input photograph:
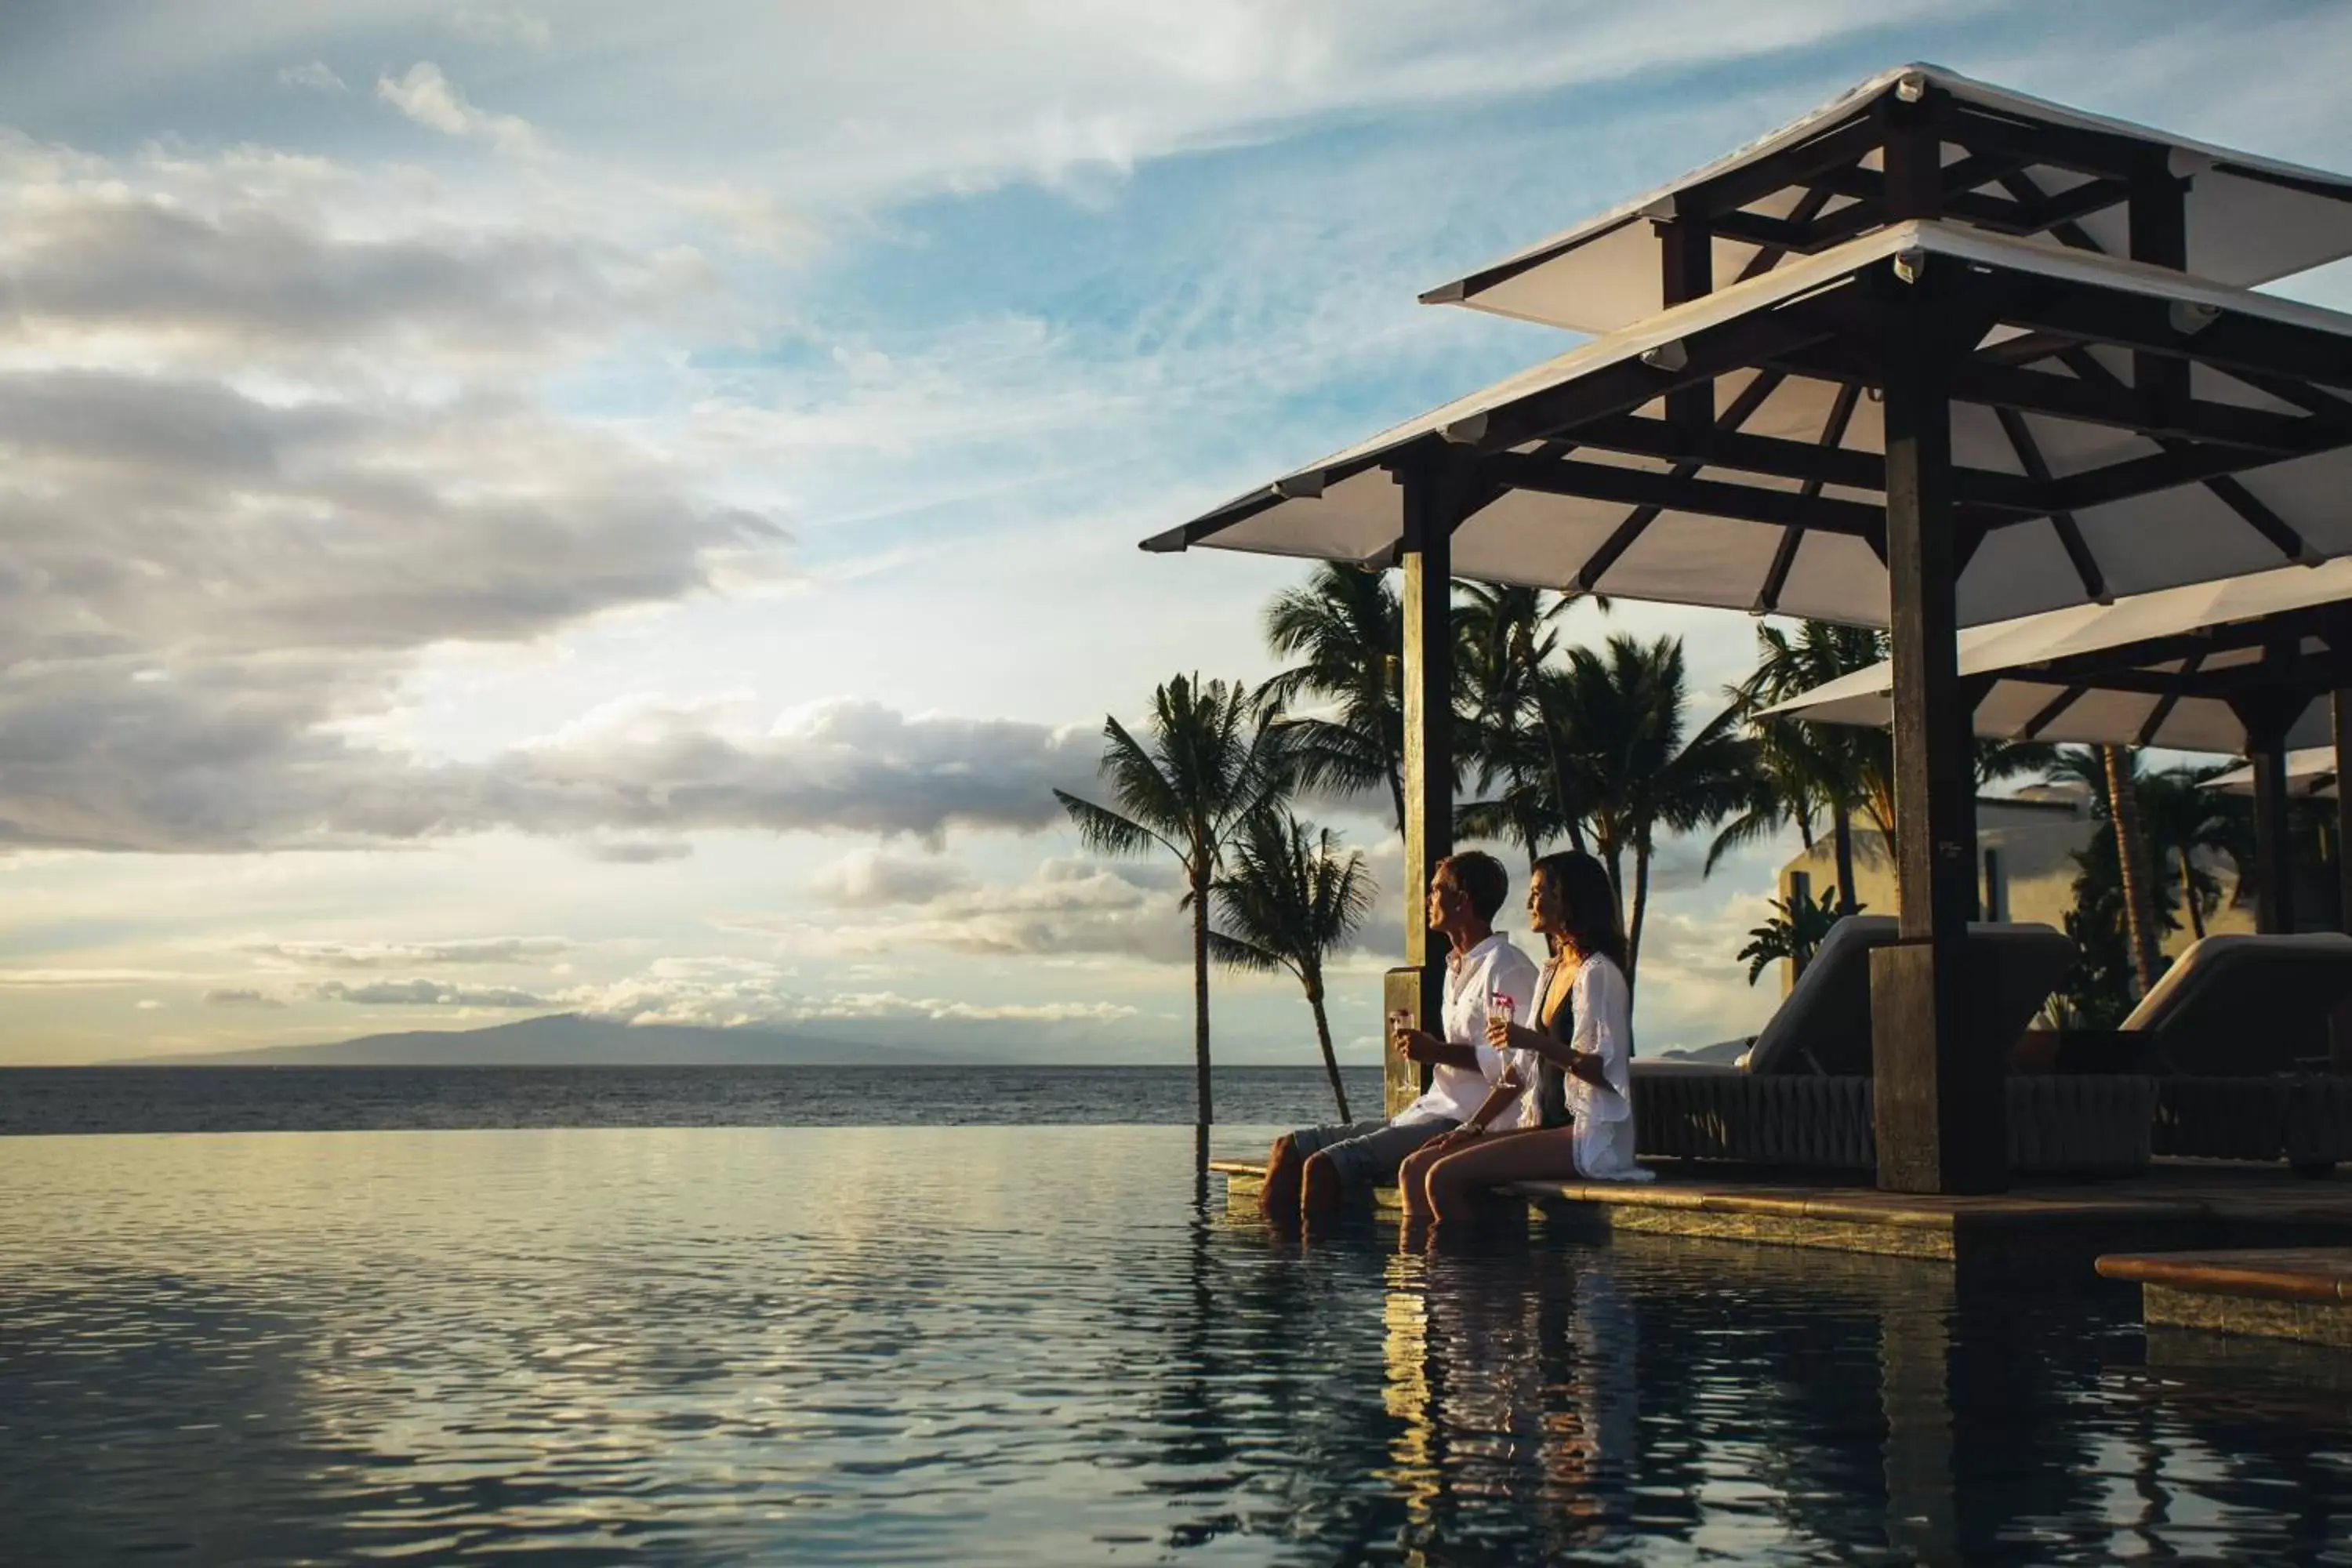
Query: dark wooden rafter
x,y
2225,487
2165,705
2051,710
1807,461
1784,553
1621,539
1748,343
2062,522
2312,676
1995,385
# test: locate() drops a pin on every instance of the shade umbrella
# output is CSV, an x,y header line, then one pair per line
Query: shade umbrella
x,y
2256,665
1929,424
2310,776
2013,165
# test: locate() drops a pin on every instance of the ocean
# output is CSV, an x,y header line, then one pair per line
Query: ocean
x,y
1047,1345
352,1098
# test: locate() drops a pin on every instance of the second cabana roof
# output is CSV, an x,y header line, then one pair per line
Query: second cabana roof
x,y
2071,483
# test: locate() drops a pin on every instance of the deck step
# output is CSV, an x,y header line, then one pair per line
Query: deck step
x,y
2283,1292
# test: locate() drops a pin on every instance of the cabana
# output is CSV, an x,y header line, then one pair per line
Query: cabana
x,y
2255,666
2244,666
1929,424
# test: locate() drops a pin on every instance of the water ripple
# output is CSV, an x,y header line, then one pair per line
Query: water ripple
x,y
1026,1345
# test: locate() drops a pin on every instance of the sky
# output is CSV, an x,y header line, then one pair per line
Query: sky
x,y
523,508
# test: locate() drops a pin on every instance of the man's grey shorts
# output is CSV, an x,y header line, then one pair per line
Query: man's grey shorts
x,y
1366,1153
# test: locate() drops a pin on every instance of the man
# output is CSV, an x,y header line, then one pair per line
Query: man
x,y
1311,1171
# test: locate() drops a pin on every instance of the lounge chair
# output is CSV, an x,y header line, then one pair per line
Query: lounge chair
x,y
2237,1031
1800,1094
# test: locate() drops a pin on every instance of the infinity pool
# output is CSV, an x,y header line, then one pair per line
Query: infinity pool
x,y
1040,1346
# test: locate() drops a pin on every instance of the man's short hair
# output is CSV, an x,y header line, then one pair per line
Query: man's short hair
x,y
1482,877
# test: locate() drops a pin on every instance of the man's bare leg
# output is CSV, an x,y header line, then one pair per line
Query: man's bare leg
x,y
1320,1189
1278,1197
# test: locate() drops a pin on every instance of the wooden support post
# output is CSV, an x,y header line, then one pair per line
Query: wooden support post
x,y
1433,492
2268,711
1686,263
2273,854
2159,236
1940,1103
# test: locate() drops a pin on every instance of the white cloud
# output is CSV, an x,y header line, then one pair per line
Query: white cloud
x,y
502,25
425,994
316,76
427,97
489,949
732,994
240,996
870,878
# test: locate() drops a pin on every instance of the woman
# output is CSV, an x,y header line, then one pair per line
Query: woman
x,y
1565,1108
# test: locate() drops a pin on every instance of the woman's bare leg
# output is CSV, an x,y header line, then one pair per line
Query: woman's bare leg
x,y
1412,1179
1535,1154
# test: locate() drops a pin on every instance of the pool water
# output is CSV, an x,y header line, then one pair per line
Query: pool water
x,y
1047,1345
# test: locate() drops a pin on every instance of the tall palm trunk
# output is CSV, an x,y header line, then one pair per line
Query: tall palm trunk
x,y
2188,896
2139,893
1200,993
1841,816
1323,1038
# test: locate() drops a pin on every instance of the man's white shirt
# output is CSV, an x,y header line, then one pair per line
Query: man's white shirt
x,y
1493,967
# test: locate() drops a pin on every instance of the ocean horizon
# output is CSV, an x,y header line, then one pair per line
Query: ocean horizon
x,y
308,1098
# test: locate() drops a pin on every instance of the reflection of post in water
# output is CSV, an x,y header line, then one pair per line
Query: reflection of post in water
x,y
1201,1168
1915,1389
1407,1392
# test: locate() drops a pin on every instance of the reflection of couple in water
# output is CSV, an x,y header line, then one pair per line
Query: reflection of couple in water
x,y
1533,1078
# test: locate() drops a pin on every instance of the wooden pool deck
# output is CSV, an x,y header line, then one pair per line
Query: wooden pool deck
x,y
2052,1230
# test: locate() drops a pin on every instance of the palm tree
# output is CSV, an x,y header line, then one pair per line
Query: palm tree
x,y
1505,637
1216,759
1291,894
1617,722
2180,817
1795,932
1837,771
1347,631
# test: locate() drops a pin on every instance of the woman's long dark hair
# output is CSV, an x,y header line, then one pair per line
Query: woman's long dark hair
x,y
1588,903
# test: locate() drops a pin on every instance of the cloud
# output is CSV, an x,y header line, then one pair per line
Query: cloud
x,y
1066,907
77,979
311,269
240,996
314,77
502,25
409,954
425,994
721,993
636,851
427,97
871,877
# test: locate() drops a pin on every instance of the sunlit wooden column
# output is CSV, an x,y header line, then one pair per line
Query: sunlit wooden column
x,y
1941,1117
1434,491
